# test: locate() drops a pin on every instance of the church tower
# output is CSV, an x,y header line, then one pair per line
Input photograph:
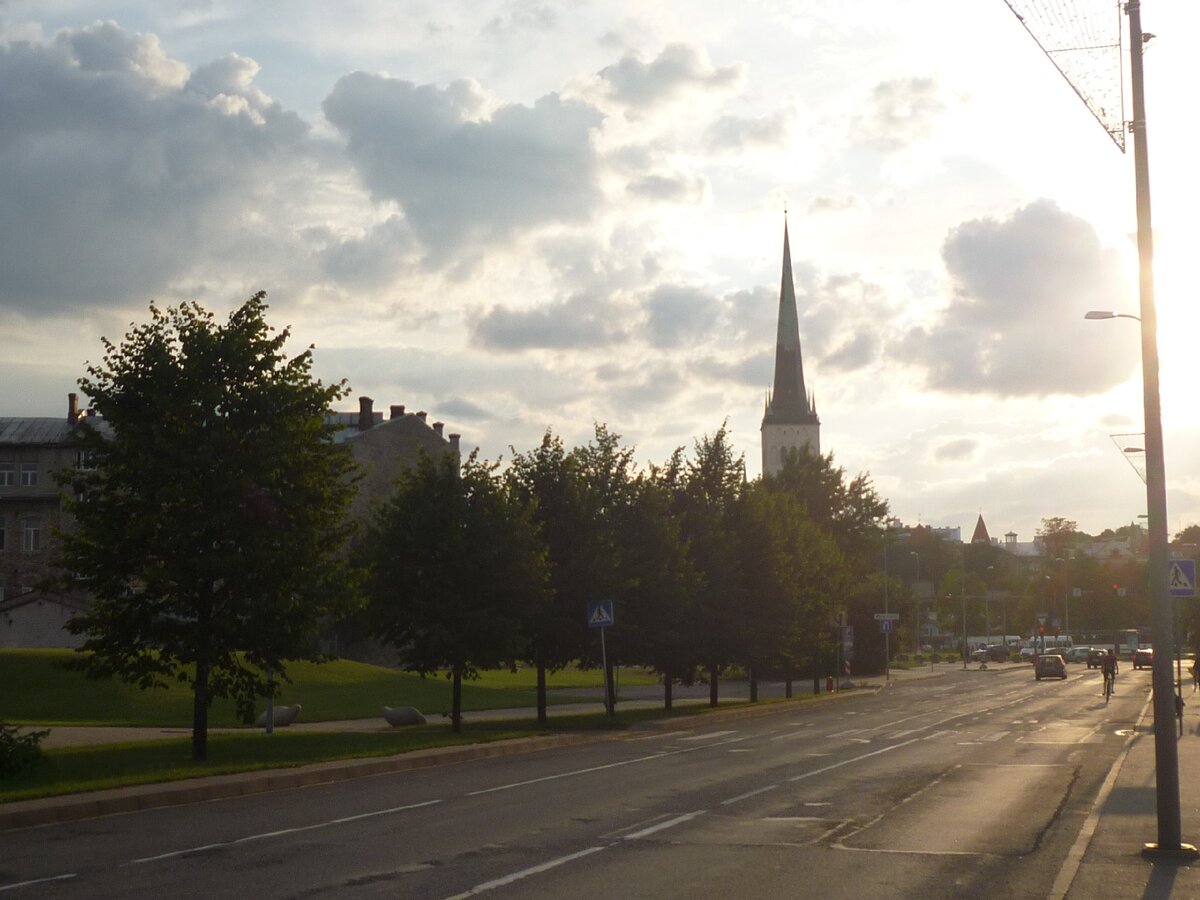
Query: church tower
x,y
790,424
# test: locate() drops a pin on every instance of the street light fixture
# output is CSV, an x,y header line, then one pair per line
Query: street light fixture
x,y
1108,314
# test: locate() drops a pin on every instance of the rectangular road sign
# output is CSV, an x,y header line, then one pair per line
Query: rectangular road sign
x,y
1181,577
887,617
887,626
600,614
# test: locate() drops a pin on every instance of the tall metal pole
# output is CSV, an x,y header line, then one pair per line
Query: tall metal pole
x,y
1166,752
887,650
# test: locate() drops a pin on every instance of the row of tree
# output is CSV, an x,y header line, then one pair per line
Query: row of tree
x,y
471,566
210,531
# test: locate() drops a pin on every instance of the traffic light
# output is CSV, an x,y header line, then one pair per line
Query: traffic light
x,y
1041,629
1116,588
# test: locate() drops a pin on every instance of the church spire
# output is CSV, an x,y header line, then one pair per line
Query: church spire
x,y
790,424
790,404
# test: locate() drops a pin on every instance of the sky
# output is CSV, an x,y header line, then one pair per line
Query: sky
x,y
521,215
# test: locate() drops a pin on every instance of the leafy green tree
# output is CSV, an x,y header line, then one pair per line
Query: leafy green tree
x,y
711,488
659,583
209,520
547,479
452,561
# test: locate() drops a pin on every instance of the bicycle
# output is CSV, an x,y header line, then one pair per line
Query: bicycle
x,y
1108,686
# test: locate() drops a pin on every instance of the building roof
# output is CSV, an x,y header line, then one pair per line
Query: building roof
x,y
34,430
789,403
981,533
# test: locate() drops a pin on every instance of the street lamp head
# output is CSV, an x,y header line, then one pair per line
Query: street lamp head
x,y
1099,314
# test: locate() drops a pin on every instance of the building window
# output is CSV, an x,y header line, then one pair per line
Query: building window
x,y
31,535
29,474
8,474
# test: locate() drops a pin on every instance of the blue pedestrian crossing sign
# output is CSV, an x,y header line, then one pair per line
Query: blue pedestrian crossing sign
x,y
1181,577
600,614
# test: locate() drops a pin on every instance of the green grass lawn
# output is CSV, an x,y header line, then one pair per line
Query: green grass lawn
x,y
39,690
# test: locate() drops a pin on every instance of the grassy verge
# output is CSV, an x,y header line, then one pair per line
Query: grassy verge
x,y
71,770
50,694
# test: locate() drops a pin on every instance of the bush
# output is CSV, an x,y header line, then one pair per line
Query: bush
x,y
19,752
935,657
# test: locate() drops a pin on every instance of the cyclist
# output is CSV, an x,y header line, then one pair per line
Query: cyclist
x,y
1109,667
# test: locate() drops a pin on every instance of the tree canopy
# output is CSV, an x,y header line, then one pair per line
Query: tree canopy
x,y
209,520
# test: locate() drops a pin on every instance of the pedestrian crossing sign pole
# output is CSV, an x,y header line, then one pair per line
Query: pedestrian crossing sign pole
x,y
600,615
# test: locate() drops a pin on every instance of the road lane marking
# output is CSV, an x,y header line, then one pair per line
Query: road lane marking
x,y
615,765
280,833
525,873
846,762
33,881
749,794
706,736
663,826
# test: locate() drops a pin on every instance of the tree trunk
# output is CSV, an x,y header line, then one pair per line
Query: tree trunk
x,y
541,692
712,684
816,683
753,685
610,690
200,689
787,685
667,679
456,702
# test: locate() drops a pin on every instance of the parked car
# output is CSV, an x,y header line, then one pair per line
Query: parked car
x,y
1143,658
1095,657
1077,654
1028,652
1049,665
990,653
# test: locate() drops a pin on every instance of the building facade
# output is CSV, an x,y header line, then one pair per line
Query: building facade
x,y
33,450
790,424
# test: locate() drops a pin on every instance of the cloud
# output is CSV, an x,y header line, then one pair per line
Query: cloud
x,y
463,178
898,114
733,134
535,16
677,188
679,315
957,450
119,174
678,69
581,321
1014,323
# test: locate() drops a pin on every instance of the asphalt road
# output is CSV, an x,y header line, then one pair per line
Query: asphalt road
x,y
966,785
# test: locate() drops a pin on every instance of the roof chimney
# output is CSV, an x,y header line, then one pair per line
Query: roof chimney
x,y
72,407
396,412
438,426
365,417
421,415
454,438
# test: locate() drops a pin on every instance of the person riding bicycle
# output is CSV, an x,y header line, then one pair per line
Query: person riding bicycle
x,y
1109,667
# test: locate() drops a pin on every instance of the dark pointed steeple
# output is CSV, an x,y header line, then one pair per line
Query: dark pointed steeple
x,y
981,533
789,403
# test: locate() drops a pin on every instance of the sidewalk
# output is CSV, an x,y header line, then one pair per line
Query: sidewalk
x,y
1108,852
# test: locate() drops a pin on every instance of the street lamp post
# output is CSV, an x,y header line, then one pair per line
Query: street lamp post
x,y
1166,753
917,599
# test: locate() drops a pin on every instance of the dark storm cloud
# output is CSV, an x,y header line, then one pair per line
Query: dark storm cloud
x,y
899,113
1014,325
579,322
679,68
118,173
462,179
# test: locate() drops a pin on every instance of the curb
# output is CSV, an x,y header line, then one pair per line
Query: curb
x,y
156,795
115,801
